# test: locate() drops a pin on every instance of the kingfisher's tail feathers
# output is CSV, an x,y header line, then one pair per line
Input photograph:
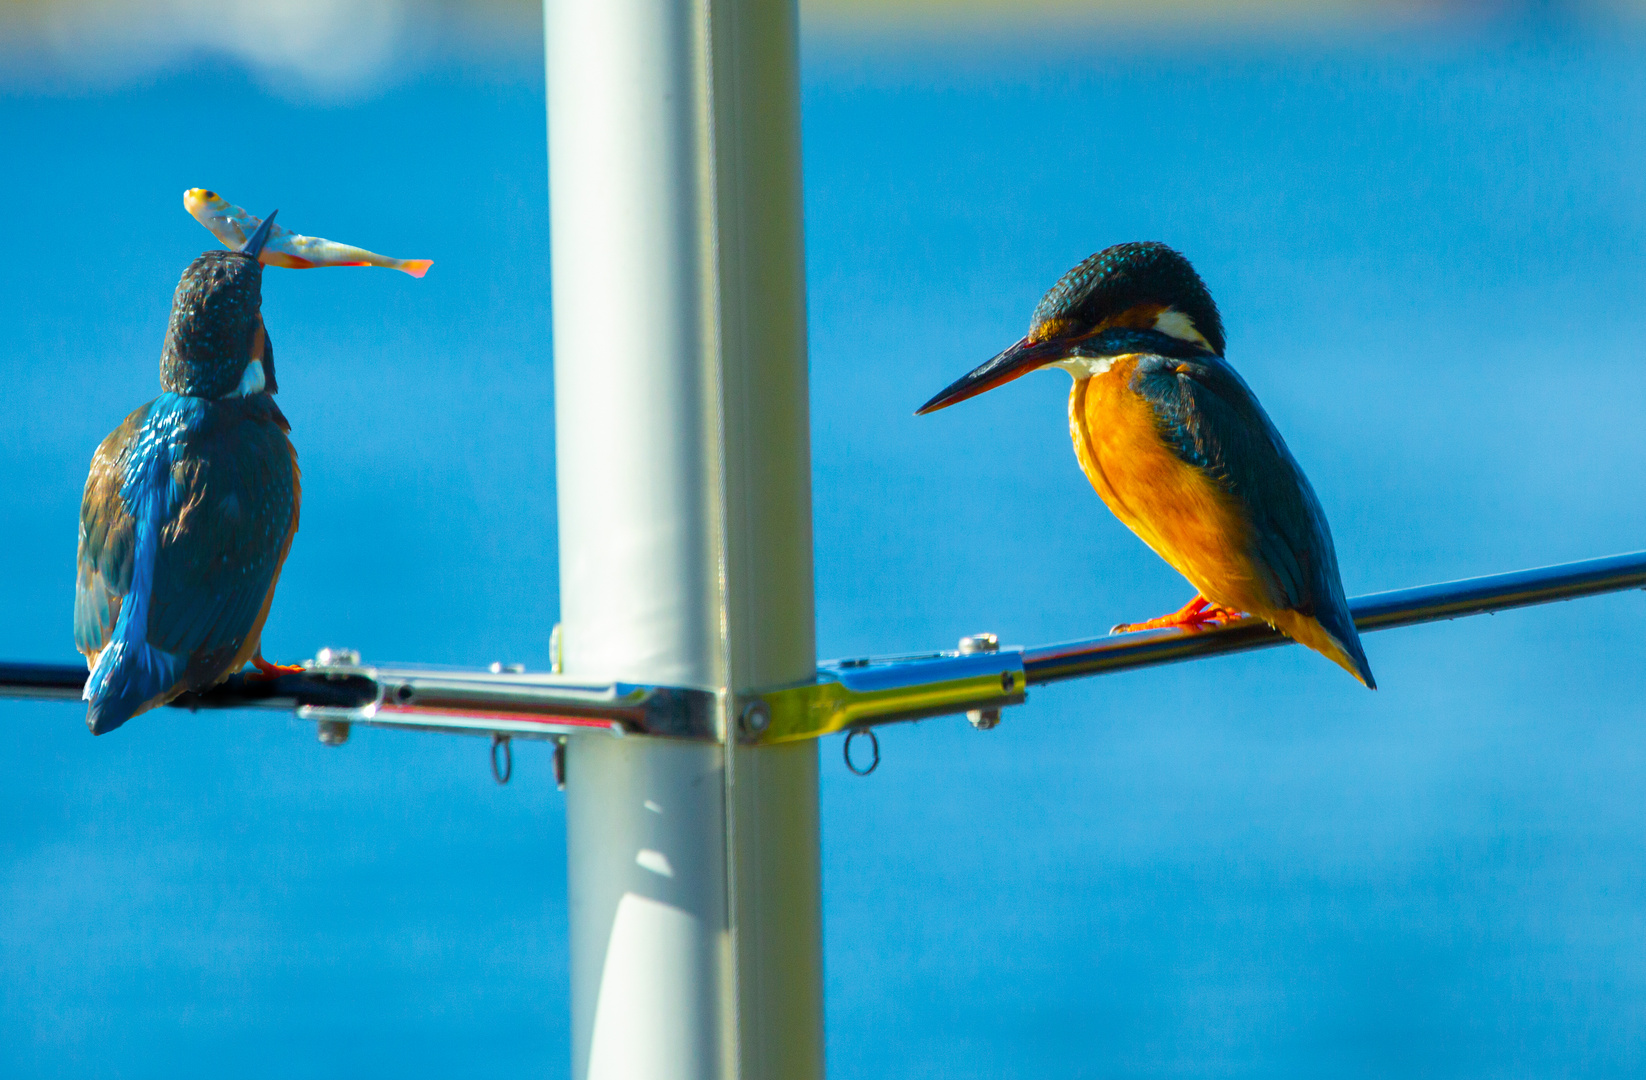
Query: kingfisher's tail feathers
x,y
130,678
1343,651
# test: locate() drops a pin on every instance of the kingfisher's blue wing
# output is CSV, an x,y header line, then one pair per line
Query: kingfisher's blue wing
x,y
1213,421
178,565
232,511
107,541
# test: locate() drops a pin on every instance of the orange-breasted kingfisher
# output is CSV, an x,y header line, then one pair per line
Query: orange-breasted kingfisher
x,y
1177,445
190,507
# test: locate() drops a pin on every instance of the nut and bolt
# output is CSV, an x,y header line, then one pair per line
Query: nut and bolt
x,y
984,719
757,717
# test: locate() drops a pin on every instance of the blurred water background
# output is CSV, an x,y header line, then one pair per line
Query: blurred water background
x,y
1425,228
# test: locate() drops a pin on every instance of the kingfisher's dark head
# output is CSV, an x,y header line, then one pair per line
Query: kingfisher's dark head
x,y
1125,299
216,344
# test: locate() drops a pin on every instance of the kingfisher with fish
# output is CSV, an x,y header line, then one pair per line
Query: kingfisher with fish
x,y
192,502
1177,445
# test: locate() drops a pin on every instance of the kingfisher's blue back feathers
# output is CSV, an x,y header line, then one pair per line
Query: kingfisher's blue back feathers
x,y
179,564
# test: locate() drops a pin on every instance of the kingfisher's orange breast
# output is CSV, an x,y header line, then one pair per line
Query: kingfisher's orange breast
x,y
1172,506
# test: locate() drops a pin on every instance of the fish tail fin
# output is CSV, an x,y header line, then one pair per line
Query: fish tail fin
x,y
1342,648
129,678
415,267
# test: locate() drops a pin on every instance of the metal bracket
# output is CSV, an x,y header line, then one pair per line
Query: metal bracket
x,y
340,666
872,691
338,691
509,702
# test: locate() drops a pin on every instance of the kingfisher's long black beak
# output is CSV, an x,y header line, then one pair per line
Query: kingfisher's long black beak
x,y
1023,357
254,246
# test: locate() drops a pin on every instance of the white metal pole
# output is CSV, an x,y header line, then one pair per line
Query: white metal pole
x,y
682,447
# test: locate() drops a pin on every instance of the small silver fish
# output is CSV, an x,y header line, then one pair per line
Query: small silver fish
x,y
230,224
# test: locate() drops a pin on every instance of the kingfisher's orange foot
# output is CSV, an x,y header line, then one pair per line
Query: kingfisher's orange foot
x,y
266,670
1196,614
1220,615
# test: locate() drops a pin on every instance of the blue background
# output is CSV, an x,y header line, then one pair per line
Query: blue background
x,y
1428,248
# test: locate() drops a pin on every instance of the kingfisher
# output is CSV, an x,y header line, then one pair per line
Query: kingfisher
x,y
190,507
1177,445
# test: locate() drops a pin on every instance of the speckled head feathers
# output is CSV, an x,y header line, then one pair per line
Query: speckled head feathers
x,y
215,318
1127,285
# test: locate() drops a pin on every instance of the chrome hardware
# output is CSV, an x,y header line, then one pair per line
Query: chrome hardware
x,y
981,719
329,657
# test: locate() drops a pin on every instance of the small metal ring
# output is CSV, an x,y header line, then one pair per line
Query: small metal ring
x,y
874,744
502,772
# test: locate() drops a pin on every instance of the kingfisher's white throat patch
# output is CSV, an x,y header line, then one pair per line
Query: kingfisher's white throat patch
x,y
1173,323
251,380
1084,367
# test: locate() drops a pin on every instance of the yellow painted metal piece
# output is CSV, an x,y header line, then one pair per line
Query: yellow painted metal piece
x,y
851,697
